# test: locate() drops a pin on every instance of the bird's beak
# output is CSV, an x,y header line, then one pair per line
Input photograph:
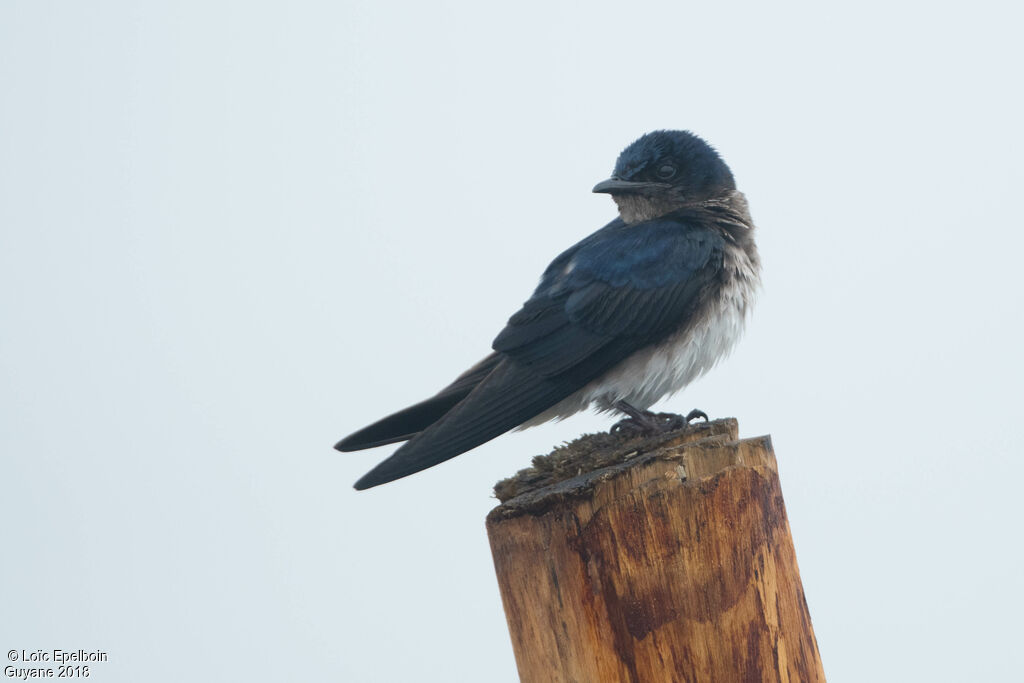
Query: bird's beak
x,y
616,186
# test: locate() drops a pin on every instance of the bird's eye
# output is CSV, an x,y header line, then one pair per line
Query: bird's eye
x,y
666,171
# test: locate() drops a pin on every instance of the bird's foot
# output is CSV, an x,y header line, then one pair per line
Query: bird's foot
x,y
646,423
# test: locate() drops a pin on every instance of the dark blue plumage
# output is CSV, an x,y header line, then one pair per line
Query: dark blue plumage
x,y
628,285
632,312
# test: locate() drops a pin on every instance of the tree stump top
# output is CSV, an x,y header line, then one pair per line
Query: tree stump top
x,y
572,470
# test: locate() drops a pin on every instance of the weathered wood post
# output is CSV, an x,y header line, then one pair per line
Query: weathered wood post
x,y
661,559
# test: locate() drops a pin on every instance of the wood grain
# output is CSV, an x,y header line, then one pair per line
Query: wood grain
x,y
676,565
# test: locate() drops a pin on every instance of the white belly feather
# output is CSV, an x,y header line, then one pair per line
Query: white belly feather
x,y
663,369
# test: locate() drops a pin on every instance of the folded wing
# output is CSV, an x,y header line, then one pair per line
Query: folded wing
x,y
597,304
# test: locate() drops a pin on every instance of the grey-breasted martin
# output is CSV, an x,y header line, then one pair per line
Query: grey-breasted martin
x,y
634,312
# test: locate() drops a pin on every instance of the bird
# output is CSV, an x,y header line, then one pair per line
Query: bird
x,y
630,314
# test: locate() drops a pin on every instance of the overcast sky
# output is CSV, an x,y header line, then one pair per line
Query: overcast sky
x,y
233,232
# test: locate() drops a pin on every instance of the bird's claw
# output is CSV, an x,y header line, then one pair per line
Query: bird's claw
x,y
694,414
650,423
646,423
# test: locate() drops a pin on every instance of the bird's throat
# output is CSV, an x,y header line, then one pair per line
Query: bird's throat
x,y
635,208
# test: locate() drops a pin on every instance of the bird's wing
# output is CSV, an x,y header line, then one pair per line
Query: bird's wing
x,y
405,424
608,299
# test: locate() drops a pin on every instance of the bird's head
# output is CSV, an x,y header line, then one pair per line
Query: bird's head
x,y
663,171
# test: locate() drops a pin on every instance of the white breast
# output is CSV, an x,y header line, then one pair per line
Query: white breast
x,y
665,368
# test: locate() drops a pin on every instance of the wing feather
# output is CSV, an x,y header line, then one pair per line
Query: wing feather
x,y
618,291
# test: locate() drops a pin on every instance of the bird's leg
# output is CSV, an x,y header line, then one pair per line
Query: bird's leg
x,y
644,422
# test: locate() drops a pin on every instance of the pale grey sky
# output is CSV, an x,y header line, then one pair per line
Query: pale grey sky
x,y
233,232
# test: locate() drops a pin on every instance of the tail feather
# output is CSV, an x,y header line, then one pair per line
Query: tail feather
x,y
406,423
508,397
402,425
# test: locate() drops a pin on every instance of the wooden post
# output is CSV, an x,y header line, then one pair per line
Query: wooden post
x,y
671,561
